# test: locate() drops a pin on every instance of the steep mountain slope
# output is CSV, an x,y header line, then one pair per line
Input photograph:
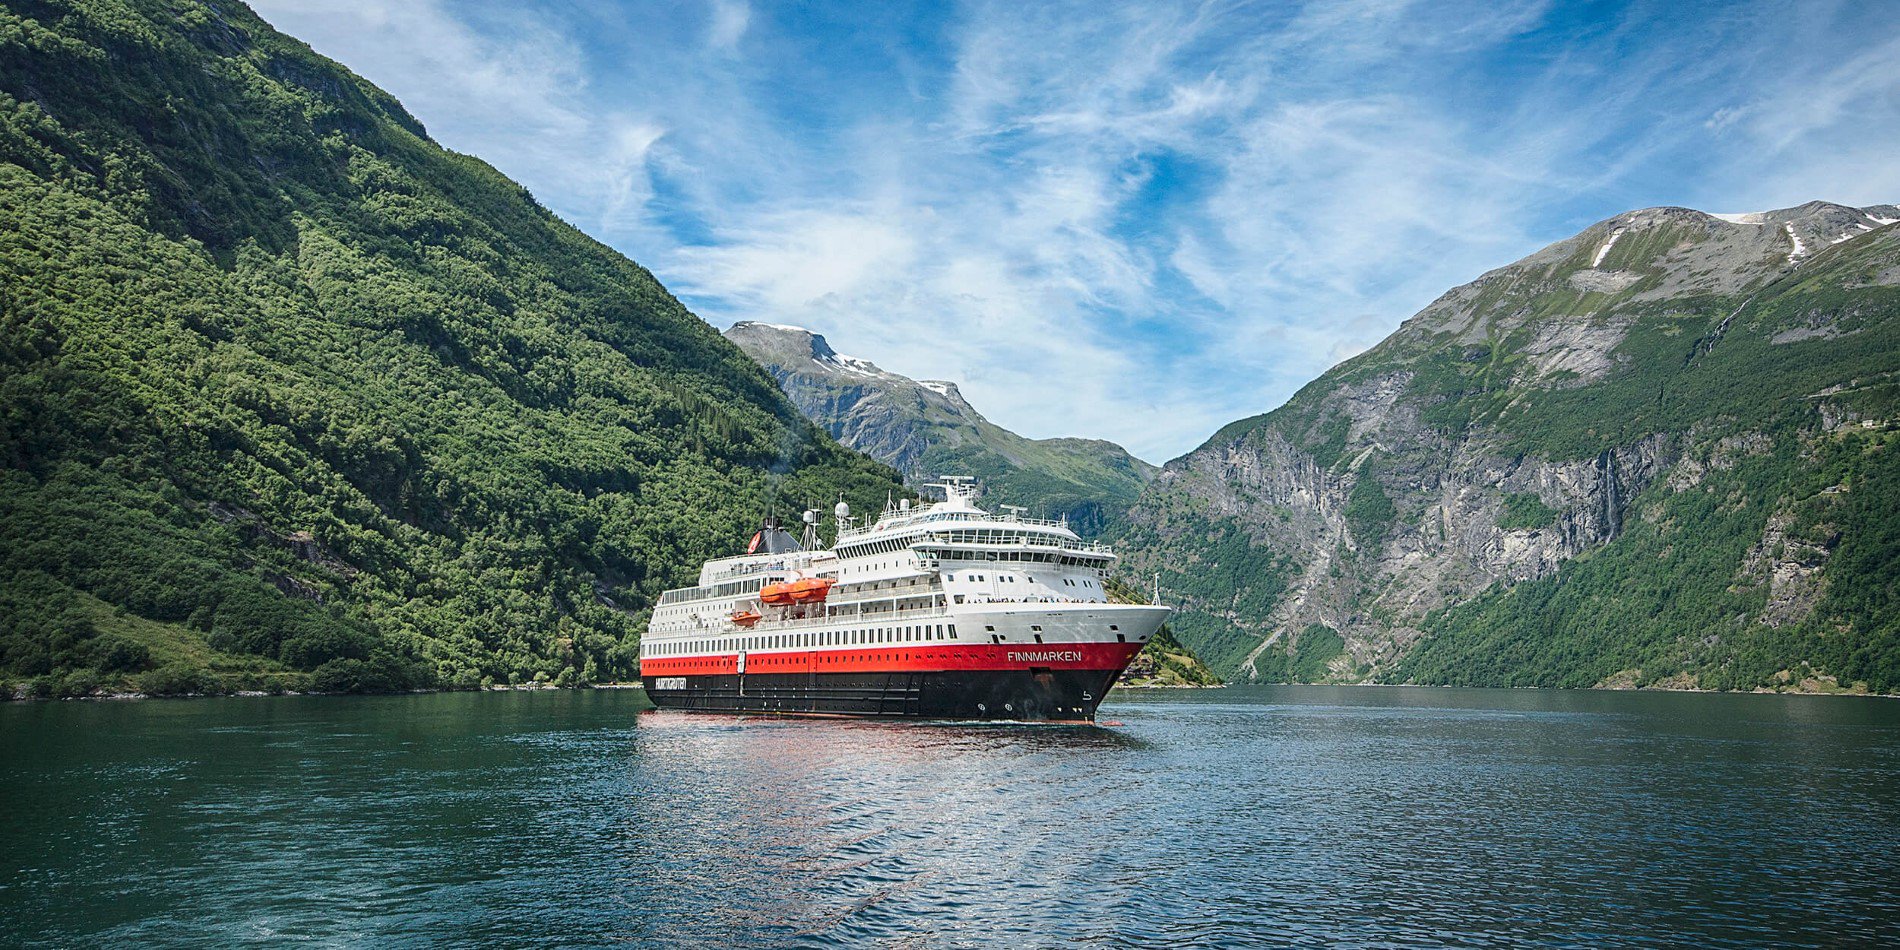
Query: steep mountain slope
x,y
1658,452
926,429
292,396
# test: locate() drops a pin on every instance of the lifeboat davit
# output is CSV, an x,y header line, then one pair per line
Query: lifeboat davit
x,y
805,590
746,618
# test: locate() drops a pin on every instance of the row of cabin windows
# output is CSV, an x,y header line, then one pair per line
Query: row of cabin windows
x,y
1011,579
967,536
1034,557
822,638
994,536
875,547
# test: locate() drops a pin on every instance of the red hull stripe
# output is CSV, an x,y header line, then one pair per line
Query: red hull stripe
x,y
920,658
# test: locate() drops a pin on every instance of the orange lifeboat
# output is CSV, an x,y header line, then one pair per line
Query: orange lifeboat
x,y
805,590
746,618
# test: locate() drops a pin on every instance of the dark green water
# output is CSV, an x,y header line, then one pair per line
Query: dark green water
x,y
1289,815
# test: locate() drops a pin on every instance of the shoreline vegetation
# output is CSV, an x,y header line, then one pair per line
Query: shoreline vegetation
x,y
21,697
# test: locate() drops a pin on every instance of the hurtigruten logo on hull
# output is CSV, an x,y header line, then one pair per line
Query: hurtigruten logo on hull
x,y
1047,656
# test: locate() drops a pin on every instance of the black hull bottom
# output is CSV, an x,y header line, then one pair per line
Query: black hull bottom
x,y
1030,695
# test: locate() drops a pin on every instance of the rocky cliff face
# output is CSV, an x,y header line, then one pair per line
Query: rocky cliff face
x,y
1624,458
925,428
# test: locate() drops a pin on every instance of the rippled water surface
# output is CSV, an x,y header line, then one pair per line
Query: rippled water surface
x,y
1293,815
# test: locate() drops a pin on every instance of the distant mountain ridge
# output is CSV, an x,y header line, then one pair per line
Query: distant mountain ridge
x,y
1657,452
925,428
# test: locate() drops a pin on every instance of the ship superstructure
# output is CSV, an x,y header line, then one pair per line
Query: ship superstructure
x,y
939,610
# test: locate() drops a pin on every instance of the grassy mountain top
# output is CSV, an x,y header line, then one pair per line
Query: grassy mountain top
x,y
1543,348
295,397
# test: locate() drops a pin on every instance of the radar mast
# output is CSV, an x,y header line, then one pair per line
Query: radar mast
x,y
959,491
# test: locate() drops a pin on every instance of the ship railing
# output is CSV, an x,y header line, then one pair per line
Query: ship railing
x,y
748,570
888,613
915,518
980,600
936,610
864,592
1073,547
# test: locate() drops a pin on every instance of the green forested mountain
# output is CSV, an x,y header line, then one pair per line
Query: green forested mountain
x,y
926,429
1661,452
292,396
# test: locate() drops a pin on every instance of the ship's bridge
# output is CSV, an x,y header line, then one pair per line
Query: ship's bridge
x,y
956,528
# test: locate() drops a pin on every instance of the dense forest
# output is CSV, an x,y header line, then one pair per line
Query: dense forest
x,y
293,398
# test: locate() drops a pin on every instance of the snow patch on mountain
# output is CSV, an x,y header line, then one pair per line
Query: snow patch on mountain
x,y
1746,217
1604,251
1800,249
853,366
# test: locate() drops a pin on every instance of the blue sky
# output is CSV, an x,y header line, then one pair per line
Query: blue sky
x,y
1125,220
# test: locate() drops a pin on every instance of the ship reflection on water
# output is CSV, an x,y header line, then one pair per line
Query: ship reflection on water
x,y
873,829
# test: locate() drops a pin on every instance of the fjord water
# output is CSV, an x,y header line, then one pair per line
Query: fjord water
x,y
1357,816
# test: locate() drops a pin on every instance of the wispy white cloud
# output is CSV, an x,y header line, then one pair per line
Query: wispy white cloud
x,y
729,21
1123,219
1818,128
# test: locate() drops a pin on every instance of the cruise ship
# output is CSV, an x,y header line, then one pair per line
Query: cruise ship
x,y
937,610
